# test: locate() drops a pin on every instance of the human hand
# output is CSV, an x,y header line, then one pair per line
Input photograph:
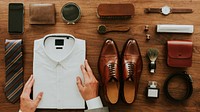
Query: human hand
x,y
26,103
88,89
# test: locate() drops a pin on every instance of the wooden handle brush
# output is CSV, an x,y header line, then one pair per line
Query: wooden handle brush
x,y
152,54
102,29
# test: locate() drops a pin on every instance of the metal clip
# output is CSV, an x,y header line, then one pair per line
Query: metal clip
x,y
191,80
153,84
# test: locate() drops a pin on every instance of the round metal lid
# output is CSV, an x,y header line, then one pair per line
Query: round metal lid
x,y
71,12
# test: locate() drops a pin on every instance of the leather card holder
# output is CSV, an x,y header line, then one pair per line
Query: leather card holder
x,y
115,11
42,14
179,53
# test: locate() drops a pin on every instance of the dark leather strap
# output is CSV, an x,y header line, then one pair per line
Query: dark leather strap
x,y
14,70
174,10
152,10
188,80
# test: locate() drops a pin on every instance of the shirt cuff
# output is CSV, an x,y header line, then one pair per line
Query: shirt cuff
x,y
94,103
20,110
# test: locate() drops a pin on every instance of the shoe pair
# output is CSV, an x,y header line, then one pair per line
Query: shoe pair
x,y
130,68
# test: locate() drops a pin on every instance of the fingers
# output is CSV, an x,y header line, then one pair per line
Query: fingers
x,y
38,98
79,84
27,83
85,74
27,87
89,70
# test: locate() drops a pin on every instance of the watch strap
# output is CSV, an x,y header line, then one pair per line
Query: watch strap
x,y
176,10
152,10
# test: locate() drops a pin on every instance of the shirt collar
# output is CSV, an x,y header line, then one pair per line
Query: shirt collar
x,y
55,62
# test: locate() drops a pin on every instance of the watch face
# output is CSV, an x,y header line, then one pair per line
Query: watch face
x,y
166,10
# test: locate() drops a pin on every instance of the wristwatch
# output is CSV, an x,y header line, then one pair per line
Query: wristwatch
x,y
166,10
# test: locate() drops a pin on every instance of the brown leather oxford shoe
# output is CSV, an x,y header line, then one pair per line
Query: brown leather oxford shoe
x,y
109,70
131,69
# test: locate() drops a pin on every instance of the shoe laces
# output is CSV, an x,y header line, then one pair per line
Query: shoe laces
x,y
112,71
130,67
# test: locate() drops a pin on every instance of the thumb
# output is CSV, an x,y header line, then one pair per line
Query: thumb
x,y
38,98
79,84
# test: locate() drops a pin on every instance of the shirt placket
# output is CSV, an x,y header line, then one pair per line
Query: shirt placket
x,y
59,86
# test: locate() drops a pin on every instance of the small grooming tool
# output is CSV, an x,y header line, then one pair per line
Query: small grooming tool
x,y
152,54
102,29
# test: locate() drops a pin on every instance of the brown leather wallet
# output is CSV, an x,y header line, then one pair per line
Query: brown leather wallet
x,y
115,11
179,53
42,13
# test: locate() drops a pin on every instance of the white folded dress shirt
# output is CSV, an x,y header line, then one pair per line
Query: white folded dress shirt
x,y
56,64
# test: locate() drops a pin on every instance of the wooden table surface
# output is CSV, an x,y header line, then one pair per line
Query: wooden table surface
x,y
86,29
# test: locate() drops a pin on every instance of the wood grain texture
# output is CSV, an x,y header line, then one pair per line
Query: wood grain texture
x,y
86,29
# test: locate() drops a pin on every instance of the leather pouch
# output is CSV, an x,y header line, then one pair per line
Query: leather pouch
x,y
42,13
179,53
115,11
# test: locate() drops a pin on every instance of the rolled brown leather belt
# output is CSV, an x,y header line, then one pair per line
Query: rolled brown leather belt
x,y
115,11
188,80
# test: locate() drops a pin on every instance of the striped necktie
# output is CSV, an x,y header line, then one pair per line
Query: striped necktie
x,y
14,70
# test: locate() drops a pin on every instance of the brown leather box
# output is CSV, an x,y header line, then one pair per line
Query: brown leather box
x,y
115,11
42,13
179,53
